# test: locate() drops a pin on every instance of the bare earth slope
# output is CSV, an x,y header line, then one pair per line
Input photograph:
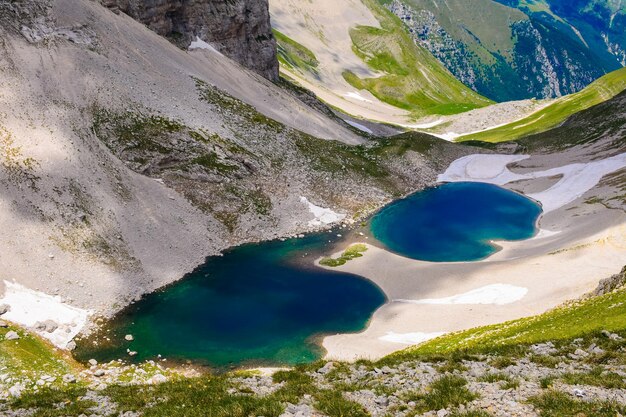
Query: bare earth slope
x,y
125,161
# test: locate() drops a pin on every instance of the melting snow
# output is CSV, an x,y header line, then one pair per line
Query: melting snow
x,y
358,126
424,125
357,96
200,44
498,294
576,179
323,216
29,307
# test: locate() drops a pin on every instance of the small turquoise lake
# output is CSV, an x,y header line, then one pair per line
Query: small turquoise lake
x,y
455,222
267,304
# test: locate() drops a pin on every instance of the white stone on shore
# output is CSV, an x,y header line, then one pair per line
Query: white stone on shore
x,y
11,335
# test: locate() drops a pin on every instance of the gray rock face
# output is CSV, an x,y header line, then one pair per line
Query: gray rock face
x,y
240,29
4,308
11,336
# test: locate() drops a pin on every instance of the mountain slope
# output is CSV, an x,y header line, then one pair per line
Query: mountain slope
x,y
366,64
125,161
508,53
555,113
239,29
413,79
599,24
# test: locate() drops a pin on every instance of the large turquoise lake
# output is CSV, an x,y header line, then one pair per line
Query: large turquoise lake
x,y
267,304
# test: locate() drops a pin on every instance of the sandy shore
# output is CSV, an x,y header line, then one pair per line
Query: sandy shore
x,y
578,244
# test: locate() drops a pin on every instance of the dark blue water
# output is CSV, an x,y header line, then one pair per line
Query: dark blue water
x,y
455,222
266,304
260,304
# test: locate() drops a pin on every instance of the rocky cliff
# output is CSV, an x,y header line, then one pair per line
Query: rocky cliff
x,y
240,29
510,53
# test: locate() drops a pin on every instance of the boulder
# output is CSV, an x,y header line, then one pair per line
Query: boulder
x,y
11,335
4,308
48,326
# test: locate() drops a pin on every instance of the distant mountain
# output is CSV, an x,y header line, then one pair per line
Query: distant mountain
x,y
358,56
517,49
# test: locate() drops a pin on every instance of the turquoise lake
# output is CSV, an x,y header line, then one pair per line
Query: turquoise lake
x,y
455,222
267,304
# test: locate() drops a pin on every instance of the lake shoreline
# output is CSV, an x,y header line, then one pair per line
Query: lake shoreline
x,y
576,246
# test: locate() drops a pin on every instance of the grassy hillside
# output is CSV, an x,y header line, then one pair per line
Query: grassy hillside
x,y
556,113
581,318
471,373
413,79
295,56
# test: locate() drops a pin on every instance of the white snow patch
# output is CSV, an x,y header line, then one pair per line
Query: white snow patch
x,y
323,216
409,338
576,179
200,44
498,294
29,307
358,126
356,96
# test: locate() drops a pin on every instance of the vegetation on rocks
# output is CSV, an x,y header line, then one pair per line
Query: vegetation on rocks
x,y
295,56
408,70
492,370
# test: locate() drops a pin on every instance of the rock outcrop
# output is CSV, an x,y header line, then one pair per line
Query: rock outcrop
x,y
240,29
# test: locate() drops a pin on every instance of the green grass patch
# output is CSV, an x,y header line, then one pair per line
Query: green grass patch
x,y
470,413
578,319
545,360
445,392
597,377
30,357
413,79
51,402
293,55
192,397
354,251
332,403
558,404
556,113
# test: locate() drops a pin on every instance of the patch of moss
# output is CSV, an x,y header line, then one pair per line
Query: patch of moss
x,y
353,252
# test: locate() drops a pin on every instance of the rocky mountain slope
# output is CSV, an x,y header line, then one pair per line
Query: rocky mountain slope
x,y
599,23
518,49
357,57
125,161
239,29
